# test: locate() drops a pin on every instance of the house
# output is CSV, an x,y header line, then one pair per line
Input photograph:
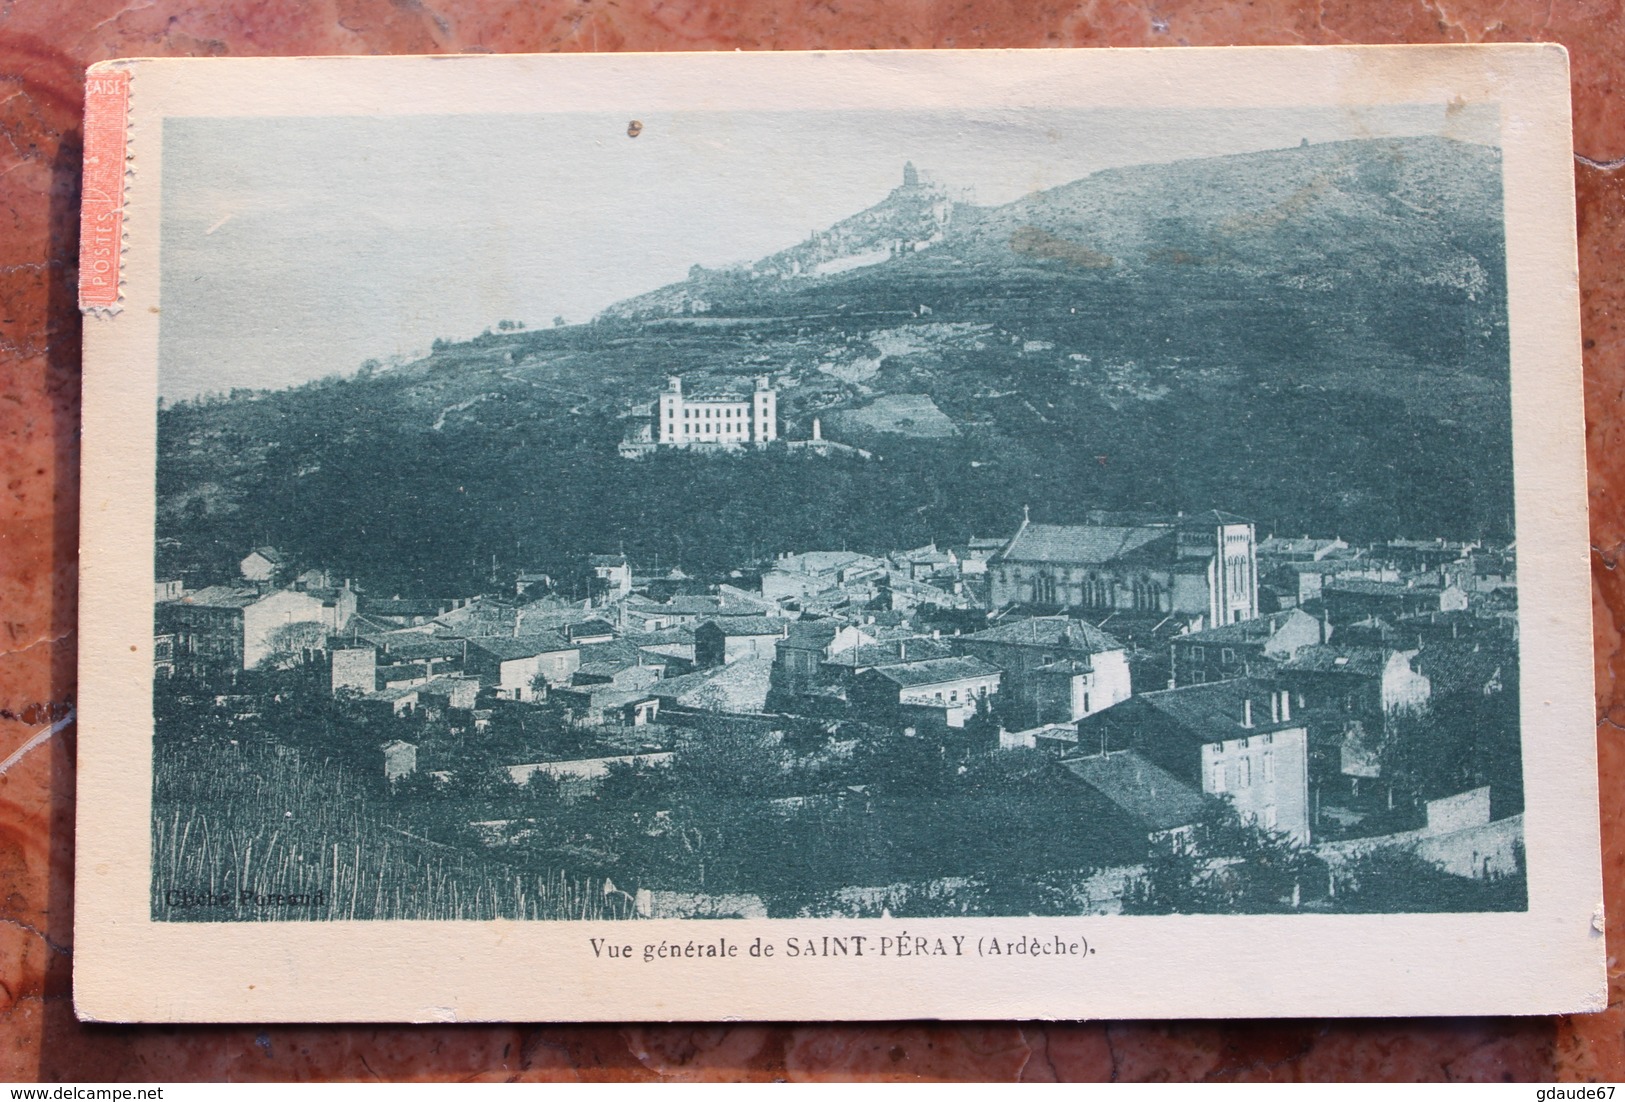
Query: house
x,y
844,666
1164,806
526,580
400,675
738,688
585,632
726,639
512,664
1491,570
445,693
400,759
800,576
353,668
339,605
1059,739
1238,739
1479,668
438,652
1227,652
1409,554
1203,566
1367,682
404,612
1298,583
672,648
263,564
438,694
957,685
1350,599
598,701
613,575
643,615
608,660
393,700
807,644
1300,549
922,564
896,593
1057,669
640,712
224,628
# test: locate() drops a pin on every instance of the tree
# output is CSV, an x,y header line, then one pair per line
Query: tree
x,y
286,645
1222,865
1397,881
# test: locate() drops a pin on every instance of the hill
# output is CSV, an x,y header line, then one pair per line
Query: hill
x,y
1315,337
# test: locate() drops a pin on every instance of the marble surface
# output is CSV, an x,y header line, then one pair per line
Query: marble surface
x,y
44,47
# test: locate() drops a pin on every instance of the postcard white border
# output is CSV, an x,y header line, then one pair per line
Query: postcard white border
x,y
1546,960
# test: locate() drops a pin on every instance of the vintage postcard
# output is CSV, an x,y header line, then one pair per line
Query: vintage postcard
x,y
1047,534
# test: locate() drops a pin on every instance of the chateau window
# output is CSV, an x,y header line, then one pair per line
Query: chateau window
x,y
1227,656
1218,776
1196,655
1269,768
1246,772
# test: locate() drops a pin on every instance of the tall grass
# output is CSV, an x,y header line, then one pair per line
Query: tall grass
x,y
264,821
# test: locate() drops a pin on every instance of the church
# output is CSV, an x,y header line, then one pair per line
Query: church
x,y
1201,566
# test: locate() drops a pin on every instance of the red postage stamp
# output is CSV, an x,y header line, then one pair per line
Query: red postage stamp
x,y
101,218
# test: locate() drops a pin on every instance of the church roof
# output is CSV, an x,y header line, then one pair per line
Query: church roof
x,y
1085,545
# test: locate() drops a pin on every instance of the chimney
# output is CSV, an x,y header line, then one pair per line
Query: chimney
x,y
1247,712
518,616
818,430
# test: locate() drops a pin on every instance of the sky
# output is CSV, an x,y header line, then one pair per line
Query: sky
x,y
294,248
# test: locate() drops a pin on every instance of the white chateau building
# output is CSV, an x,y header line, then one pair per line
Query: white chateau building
x,y
717,416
